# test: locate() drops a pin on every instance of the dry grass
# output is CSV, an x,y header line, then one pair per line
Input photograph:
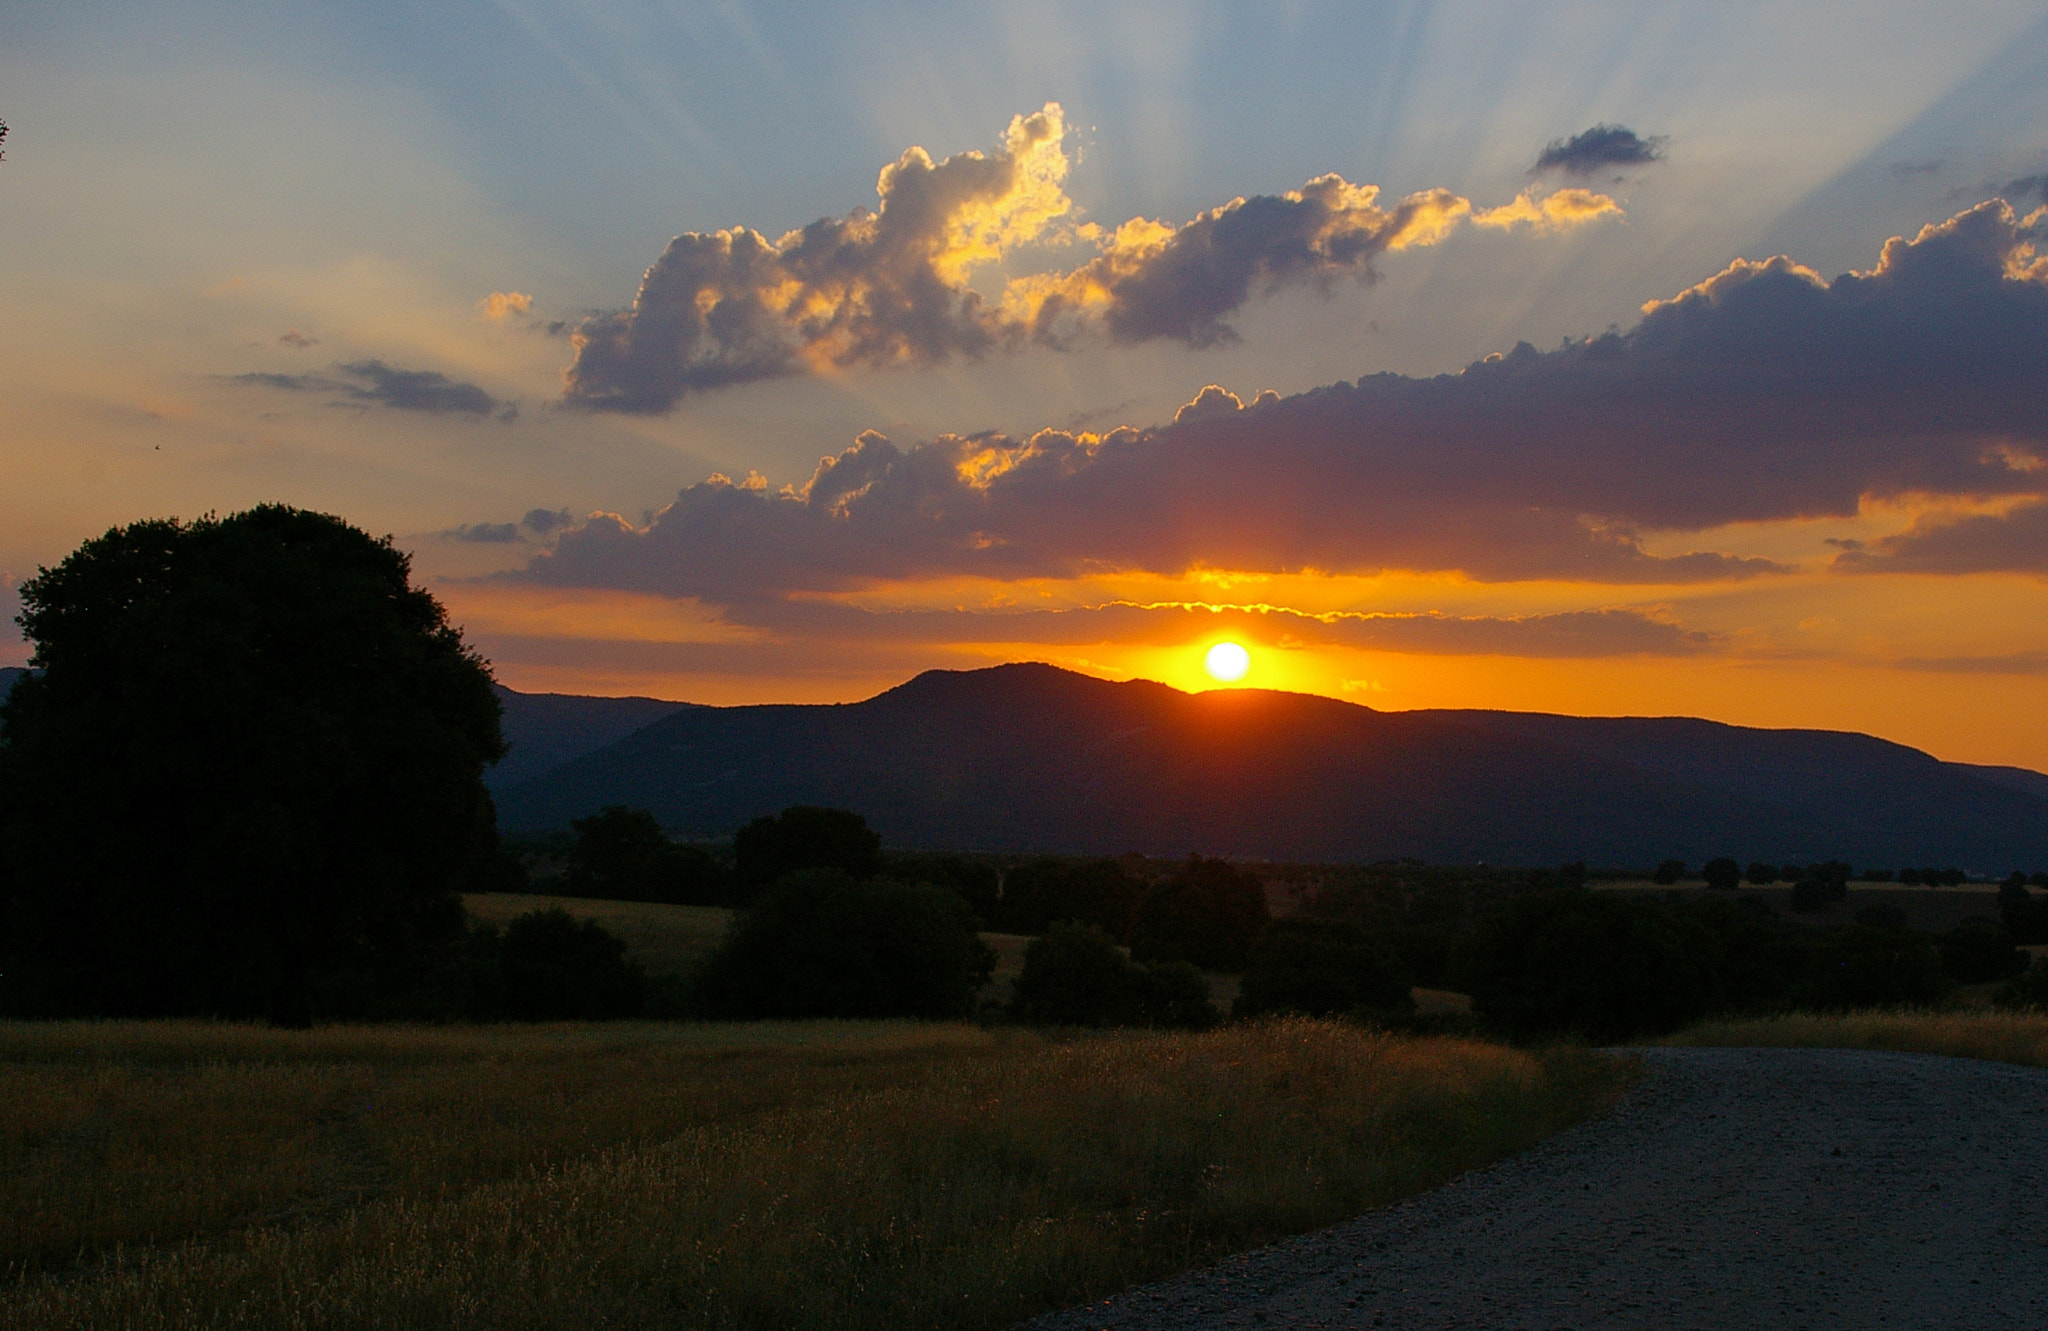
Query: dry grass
x,y
818,1175
2004,1037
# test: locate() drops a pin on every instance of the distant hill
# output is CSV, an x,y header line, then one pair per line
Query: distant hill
x,y
8,674
1030,757
546,730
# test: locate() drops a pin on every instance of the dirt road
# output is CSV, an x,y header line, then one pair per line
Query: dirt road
x,y
1735,1188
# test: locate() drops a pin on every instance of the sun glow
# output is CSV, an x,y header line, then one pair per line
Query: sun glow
x,y
1227,662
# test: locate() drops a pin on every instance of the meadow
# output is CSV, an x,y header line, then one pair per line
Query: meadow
x,y
1966,1032
829,1175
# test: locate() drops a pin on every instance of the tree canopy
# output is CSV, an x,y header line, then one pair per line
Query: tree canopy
x,y
251,757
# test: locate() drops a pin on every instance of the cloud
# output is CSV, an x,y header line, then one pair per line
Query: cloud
x,y
1763,393
2013,542
502,305
374,383
1568,635
894,286
1598,150
484,533
297,341
541,521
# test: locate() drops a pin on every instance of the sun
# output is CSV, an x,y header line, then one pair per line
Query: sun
x,y
1227,662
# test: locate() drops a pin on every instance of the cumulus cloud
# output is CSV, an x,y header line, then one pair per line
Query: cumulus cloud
x,y
1598,150
894,286
1763,393
541,521
502,305
374,383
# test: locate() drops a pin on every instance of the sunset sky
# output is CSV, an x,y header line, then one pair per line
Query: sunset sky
x,y
1615,358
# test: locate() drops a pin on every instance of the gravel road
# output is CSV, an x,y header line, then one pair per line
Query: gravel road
x,y
1734,1188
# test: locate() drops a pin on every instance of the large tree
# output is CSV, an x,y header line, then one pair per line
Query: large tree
x,y
246,777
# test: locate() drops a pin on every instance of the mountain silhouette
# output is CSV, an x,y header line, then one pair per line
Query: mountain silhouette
x,y
1035,758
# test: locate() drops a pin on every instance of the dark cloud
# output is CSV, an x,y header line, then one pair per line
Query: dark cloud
x,y
541,521
2028,189
2015,542
484,533
297,341
1598,150
892,286
1572,634
1763,393
374,383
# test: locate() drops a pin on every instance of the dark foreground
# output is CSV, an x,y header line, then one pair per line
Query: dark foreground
x,y
1735,1188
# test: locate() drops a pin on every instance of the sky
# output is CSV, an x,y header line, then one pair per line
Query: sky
x,y
1590,358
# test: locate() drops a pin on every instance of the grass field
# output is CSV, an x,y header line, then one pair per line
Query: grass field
x,y
2005,1037
819,1175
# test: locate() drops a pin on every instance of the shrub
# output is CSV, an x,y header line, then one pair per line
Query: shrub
x,y
1760,873
1722,873
1978,950
1811,896
1863,967
554,967
622,854
1669,872
974,881
1039,893
2027,991
823,944
1590,964
1076,975
802,837
2026,920
1212,914
1320,968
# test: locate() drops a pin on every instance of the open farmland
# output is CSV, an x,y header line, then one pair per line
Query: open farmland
x,y
818,1174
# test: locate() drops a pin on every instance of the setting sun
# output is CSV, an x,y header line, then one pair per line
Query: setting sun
x,y
1227,662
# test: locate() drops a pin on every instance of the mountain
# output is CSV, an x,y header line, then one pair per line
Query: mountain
x,y
545,730
1030,757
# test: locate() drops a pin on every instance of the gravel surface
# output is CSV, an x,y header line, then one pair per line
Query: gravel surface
x,y
1734,1188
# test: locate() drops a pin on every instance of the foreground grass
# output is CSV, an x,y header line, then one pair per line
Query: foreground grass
x,y
828,1175
2005,1037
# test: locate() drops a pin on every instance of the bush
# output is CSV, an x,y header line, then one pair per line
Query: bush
x,y
1583,963
823,944
1076,975
1212,914
1722,873
622,854
801,837
1042,892
1669,872
1978,950
2025,918
1320,968
2027,991
554,967
974,881
1761,874
1863,967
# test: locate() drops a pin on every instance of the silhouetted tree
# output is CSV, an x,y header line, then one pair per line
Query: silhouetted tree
x,y
252,759
820,943
622,854
554,967
1039,893
1212,914
1319,968
1863,967
1593,964
1722,873
1978,950
801,837
1760,873
1669,872
1076,975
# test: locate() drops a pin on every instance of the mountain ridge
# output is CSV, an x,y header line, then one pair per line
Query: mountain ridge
x,y
1029,757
